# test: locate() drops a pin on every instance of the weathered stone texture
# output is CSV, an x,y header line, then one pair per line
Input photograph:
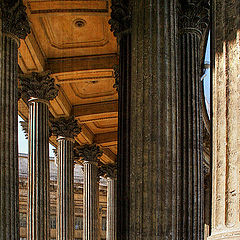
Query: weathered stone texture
x,y
153,139
226,120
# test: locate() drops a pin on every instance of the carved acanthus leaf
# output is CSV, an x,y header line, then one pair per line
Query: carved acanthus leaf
x,y
108,171
120,18
14,18
89,153
195,16
24,125
38,85
65,127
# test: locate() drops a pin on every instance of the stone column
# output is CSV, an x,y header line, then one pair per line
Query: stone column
x,y
193,23
111,175
13,26
121,27
225,120
90,155
38,88
65,130
153,133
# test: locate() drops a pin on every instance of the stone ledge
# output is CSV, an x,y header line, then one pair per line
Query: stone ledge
x,y
234,235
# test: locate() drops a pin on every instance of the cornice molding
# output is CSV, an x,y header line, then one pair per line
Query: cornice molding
x,y
38,85
65,127
194,17
14,18
120,18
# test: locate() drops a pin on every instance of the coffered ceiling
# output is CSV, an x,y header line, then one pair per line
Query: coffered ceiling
x,y
73,40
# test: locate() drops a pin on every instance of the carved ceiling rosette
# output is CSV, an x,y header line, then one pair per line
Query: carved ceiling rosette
x,y
194,17
38,85
120,18
89,152
14,18
65,127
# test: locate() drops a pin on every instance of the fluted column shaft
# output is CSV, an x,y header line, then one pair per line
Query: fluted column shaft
x,y
38,168
226,120
191,170
153,145
38,88
65,201
90,155
9,212
65,129
9,37
111,209
90,201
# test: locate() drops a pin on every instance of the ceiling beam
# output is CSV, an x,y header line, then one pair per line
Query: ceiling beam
x,y
91,111
106,139
61,65
80,7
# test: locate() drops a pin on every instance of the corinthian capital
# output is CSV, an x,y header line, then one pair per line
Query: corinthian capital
x,y
89,153
14,18
38,85
108,171
194,17
65,127
120,17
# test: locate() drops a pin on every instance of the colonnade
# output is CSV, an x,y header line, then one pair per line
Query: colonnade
x,y
160,128
39,88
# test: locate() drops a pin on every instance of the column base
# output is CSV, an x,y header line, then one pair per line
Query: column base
x,y
233,235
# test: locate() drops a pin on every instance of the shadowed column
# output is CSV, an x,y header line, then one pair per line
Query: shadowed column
x,y
193,23
121,27
13,26
65,130
38,88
